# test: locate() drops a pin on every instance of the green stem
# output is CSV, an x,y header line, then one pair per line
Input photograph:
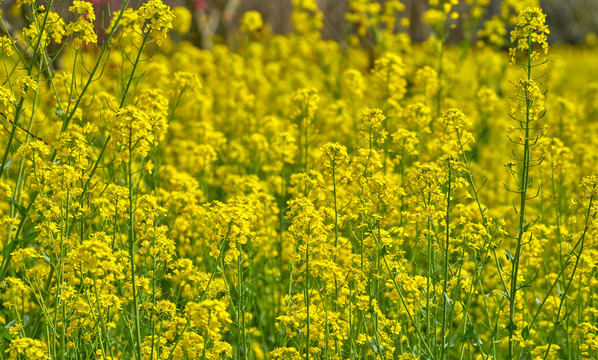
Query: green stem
x,y
307,301
523,198
446,265
137,346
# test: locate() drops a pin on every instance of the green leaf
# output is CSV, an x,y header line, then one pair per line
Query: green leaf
x,y
5,333
374,345
486,260
477,341
59,112
510,257
525,333
448,299
563,319
384,251
468,333
453,341
31,236
511,327
4,330
558,289
20,208
8,163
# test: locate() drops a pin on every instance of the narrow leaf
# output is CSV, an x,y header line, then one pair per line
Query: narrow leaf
x,y
468,334
525,333
558,289
8,163
510,257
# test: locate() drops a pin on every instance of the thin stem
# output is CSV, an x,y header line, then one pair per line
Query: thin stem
x,y
446,265
137,346
523,197
307,301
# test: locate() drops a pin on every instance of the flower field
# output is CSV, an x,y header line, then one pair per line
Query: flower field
x,y
295,197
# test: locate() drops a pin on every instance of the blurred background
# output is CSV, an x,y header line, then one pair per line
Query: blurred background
x,y
569,21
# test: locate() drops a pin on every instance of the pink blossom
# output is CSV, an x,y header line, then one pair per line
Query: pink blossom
x,y
200,5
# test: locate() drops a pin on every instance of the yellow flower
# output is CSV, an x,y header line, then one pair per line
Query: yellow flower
x,y
433,17
389,72
26,83
590,185
530,28
157,18
306,17
19,256
138,128
285,353
528,98
7,102
333,156
186,81
82,29
494,32
371,127
407,141
5,190
232,222
251,21
28,348
56,27
353,82
210,317
182,20
7,47
305,103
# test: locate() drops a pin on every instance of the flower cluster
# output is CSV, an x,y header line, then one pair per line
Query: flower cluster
x,y
530,30
82,30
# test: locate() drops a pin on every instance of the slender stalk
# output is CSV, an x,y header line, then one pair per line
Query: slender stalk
x,y
218,262
242,344
336,230
429,278
137,321
522,205
154,262
307,301
446,265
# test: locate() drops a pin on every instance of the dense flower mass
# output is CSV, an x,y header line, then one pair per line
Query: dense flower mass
x,y
284,197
